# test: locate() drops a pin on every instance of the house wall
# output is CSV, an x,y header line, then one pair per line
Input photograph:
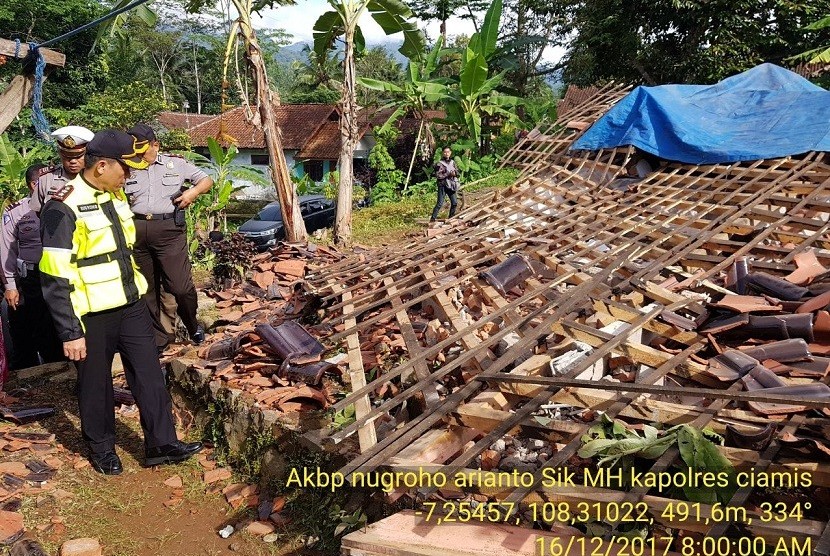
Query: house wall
x,y
259,192
364,146
256,191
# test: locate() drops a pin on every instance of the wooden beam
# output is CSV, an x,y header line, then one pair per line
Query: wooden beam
x,y
14,99
52,58
366,433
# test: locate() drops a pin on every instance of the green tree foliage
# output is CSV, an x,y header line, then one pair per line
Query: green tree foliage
x,y
84,73
421,89
393,17
528,29
388,177
475,105
684,41
818,54
377,63
442,10
13,165
317,79
117,107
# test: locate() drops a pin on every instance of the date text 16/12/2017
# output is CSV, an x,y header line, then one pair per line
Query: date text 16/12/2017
x,y
667,546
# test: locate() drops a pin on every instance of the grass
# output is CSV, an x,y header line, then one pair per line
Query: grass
x,y
390,222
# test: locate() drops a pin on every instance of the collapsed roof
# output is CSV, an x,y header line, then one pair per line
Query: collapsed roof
x,y
582,291
580,295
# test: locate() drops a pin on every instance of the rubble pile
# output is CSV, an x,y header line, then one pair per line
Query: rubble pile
x,y
257,347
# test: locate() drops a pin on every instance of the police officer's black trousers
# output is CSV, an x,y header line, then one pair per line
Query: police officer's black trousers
x,y
31,327
127,330
161,254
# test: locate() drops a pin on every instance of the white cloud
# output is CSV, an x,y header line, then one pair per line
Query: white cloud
x,y
298,20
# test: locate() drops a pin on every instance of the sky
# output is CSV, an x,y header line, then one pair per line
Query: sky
x,y
299,20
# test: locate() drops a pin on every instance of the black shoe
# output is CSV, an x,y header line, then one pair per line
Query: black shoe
x,y
171,453
107,463
199,336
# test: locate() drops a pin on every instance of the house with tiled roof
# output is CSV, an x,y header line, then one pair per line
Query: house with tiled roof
x,y
310,136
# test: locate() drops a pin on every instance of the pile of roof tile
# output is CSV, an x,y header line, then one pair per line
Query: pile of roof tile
x,y
259,349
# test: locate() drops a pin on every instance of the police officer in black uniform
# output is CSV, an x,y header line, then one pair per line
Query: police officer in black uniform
x,y
93,289
33,334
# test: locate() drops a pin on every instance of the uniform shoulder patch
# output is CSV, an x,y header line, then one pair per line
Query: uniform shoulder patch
x,y
17,204
64,192
174,155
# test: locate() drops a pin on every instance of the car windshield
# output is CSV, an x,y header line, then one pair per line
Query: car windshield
x,y
271,213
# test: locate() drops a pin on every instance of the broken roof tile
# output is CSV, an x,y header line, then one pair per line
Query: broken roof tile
x,y
807,268
746,304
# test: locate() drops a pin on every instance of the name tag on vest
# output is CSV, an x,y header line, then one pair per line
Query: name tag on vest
x,y
88,208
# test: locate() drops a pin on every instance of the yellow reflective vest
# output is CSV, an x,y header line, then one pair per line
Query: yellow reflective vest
x,y
87,264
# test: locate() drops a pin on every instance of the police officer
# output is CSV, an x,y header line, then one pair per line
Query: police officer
x,y
72,140
93,289
156,195
30,325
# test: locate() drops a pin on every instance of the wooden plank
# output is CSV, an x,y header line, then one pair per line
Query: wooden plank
x,y
429,392
409,534
648,410
436,446
537,365
52,57
14,99
640,353
366,433
482,357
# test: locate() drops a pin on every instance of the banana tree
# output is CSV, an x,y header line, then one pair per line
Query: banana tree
x,y
821,54
420,89
393,16
242,28
295,231
476,99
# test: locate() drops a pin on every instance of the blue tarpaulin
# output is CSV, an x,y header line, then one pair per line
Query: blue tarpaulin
x,y
765,112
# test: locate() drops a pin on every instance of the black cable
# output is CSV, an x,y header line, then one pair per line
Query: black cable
x,y
98,21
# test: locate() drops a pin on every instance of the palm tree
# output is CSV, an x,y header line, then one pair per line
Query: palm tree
x,y
319,70
393,17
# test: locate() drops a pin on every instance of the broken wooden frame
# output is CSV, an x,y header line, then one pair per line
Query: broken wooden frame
x,y
602,246
17,94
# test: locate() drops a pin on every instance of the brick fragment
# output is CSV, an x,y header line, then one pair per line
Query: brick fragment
x,y
174,482
11,526
81,547
260,528
215,475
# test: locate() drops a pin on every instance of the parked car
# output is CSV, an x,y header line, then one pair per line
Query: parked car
x,y
266,228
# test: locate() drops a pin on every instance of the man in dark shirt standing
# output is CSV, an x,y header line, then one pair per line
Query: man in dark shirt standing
x,y
447,173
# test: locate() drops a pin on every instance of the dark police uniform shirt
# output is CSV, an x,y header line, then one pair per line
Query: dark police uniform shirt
x,y
20,240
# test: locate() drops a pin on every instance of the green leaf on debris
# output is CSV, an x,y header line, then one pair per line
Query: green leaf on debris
x,y
612,441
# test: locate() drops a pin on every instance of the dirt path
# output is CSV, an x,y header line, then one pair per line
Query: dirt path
x,y
134,514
